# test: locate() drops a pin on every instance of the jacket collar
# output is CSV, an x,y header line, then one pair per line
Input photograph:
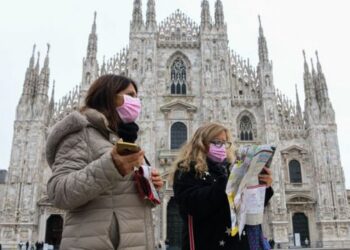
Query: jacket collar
x,y
98,121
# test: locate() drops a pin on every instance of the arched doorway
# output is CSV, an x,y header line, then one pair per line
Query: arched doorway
x,y
301,226
54,226
174,226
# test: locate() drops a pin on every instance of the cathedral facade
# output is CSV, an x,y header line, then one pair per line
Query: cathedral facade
x,y
187,75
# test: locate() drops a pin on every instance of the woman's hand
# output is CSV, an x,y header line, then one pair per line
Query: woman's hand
x,y
266,177
156,179
125,163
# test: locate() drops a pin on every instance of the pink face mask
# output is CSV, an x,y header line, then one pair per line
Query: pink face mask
x,y
130,109
217,154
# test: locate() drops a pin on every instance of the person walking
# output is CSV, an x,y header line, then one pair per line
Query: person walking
x,y
91,180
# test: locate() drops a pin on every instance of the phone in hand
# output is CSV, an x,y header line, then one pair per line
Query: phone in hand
x,y
126,148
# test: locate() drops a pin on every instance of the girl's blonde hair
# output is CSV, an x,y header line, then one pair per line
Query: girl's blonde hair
x,y
195,151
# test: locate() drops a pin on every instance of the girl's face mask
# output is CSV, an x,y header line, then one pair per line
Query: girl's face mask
x,y
130,110
217,153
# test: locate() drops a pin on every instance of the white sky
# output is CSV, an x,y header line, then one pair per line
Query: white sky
x,y
289,26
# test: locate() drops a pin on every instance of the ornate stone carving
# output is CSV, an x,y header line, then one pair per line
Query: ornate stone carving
x,y
178,30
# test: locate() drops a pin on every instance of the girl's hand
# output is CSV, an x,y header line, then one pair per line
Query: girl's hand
x,y
266,177
125,163
156,179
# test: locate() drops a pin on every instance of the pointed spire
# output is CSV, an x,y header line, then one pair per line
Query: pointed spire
x,y
263,52
306,66
46,62
205,15
103,67
137,20
308,84
92,44
151,15
93,28
314,82
37,66
42,86
298,107
30,78
52,100
319,67
51,104
322,84
261,31
219,14
31,61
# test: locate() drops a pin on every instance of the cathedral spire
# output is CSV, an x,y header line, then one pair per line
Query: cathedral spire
x,y
205,15
322,84
151,15
263,52
46,62
43,83
306,66
315,82
137,20
298,107
307,82
31,61
28,86
37,66
90,64
51,104
319,67
92,44
219,14
36,74
311,106
52,99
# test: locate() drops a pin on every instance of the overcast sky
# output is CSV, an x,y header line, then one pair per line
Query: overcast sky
x,y
289,26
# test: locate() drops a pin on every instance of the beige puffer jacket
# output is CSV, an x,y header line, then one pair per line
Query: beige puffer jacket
x,y
104,209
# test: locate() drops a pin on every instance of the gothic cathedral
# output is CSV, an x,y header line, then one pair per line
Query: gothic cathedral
x,y
187,75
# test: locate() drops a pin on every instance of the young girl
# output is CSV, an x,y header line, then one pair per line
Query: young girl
x,y
200,179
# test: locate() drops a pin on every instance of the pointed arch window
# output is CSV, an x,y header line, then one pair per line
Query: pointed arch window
x,y
246,129
178,135
295,171
178,77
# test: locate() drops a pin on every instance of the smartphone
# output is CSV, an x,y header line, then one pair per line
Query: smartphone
x,y
126,148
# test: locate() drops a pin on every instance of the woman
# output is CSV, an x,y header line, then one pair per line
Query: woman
x,y
91,180
199,186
